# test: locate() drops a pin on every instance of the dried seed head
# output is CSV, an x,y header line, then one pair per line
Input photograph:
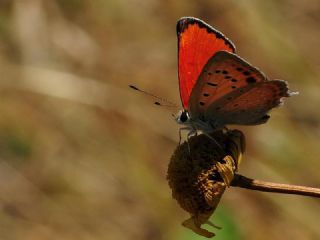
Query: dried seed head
x,y
199,176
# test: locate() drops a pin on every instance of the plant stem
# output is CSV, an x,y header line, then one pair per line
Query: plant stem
x,y
253,184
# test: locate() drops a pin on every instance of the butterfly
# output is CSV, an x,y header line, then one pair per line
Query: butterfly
x,y
217,87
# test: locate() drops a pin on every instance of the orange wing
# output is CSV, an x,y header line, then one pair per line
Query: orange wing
x,y
249,107
197,43
224,73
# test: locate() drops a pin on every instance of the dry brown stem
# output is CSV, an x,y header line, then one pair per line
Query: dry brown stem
x,y
253,184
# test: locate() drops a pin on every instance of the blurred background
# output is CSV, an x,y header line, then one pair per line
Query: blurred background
x,y
84,157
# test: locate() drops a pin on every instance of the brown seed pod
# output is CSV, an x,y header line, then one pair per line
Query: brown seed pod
x,y
199,172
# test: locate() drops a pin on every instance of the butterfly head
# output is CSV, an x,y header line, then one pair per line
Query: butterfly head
x,y
182,117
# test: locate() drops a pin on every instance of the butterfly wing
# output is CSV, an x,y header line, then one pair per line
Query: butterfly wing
x,y
197,42
248,106
231,91
224,73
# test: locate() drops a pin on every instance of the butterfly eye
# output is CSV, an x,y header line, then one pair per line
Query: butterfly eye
x,y
184,116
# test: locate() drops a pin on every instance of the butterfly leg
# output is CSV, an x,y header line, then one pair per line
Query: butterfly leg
x,y
180,136
192,132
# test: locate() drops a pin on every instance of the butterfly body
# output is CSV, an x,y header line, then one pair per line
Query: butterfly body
x,y
217,87
194,124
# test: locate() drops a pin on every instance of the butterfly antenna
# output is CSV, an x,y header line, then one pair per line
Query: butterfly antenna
x,y
162,101
165,105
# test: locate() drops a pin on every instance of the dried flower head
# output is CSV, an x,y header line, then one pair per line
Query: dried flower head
x,y
199,172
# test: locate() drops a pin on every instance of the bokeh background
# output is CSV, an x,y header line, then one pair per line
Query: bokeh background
x,y
84,157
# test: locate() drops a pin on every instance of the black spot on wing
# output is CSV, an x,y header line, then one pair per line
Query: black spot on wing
x,y
212,84
251,80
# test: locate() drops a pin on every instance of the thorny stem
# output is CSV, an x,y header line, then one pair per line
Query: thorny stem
x,y
253,184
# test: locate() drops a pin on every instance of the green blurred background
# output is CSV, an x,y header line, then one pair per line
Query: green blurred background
x,y
84,157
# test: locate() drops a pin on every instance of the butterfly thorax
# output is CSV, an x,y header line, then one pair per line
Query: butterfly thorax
x,y
193,124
